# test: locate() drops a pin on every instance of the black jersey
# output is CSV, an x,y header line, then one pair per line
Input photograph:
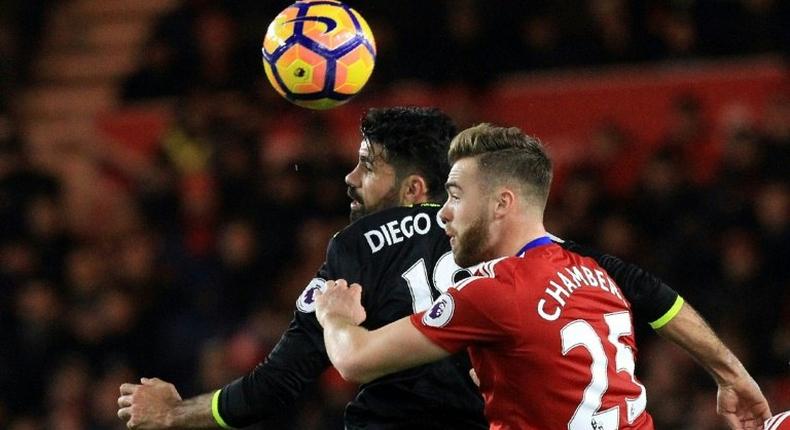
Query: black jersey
x,y
403,261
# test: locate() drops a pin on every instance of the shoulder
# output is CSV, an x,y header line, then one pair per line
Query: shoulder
x,y
496,273
480,298
375,232
498,269
375,220
506,272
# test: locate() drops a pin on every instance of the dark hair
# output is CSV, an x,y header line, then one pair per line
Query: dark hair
x,y
505,153
414,140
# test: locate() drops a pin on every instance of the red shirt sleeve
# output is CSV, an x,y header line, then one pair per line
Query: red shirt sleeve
x,y
475,314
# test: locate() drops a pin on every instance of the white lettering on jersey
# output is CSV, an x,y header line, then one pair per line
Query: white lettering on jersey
x,y
406,226
392,226
306,301
394,232
422,223
375,240
557,293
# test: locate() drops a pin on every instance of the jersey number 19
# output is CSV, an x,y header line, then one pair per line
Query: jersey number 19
x,y
419,283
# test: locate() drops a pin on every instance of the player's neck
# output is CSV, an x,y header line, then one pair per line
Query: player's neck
x,y
518,235
410,201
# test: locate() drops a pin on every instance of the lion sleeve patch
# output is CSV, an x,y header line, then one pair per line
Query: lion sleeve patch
x,y
306,301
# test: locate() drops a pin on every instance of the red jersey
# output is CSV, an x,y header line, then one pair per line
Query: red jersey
x,y
551,339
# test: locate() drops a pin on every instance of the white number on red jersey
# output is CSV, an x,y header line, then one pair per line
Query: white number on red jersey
x,y
580,333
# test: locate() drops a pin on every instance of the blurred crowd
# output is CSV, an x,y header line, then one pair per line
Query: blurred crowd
x,y
202,45
186,264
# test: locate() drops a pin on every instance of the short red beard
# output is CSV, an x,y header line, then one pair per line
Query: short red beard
x,y
471,246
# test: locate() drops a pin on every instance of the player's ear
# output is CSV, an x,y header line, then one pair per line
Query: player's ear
x,y
505,201
413,190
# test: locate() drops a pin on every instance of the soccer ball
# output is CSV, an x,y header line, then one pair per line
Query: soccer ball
x,y
318,53
778,422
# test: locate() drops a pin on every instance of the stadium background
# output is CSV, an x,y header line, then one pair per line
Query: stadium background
x,y
161,207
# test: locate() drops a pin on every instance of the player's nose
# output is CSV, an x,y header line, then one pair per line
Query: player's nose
x,y
445,214
352,178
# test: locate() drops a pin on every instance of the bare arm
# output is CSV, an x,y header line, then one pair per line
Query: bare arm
x,y
155,404
195,413
361,355
298,358
739,399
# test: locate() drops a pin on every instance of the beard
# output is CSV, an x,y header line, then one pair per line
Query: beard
x,y
389,200
471,246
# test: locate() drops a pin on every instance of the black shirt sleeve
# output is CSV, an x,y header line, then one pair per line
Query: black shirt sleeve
x,y
649,296
298,359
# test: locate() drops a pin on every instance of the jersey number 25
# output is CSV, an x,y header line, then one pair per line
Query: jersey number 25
x,y
580,333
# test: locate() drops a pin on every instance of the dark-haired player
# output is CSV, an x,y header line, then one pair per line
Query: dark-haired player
x,y
402,162
401,254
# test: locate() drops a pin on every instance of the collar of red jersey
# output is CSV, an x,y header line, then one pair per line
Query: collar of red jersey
x,y
543,240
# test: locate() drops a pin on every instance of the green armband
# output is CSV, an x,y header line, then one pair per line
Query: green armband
x,y
215,411
667,317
